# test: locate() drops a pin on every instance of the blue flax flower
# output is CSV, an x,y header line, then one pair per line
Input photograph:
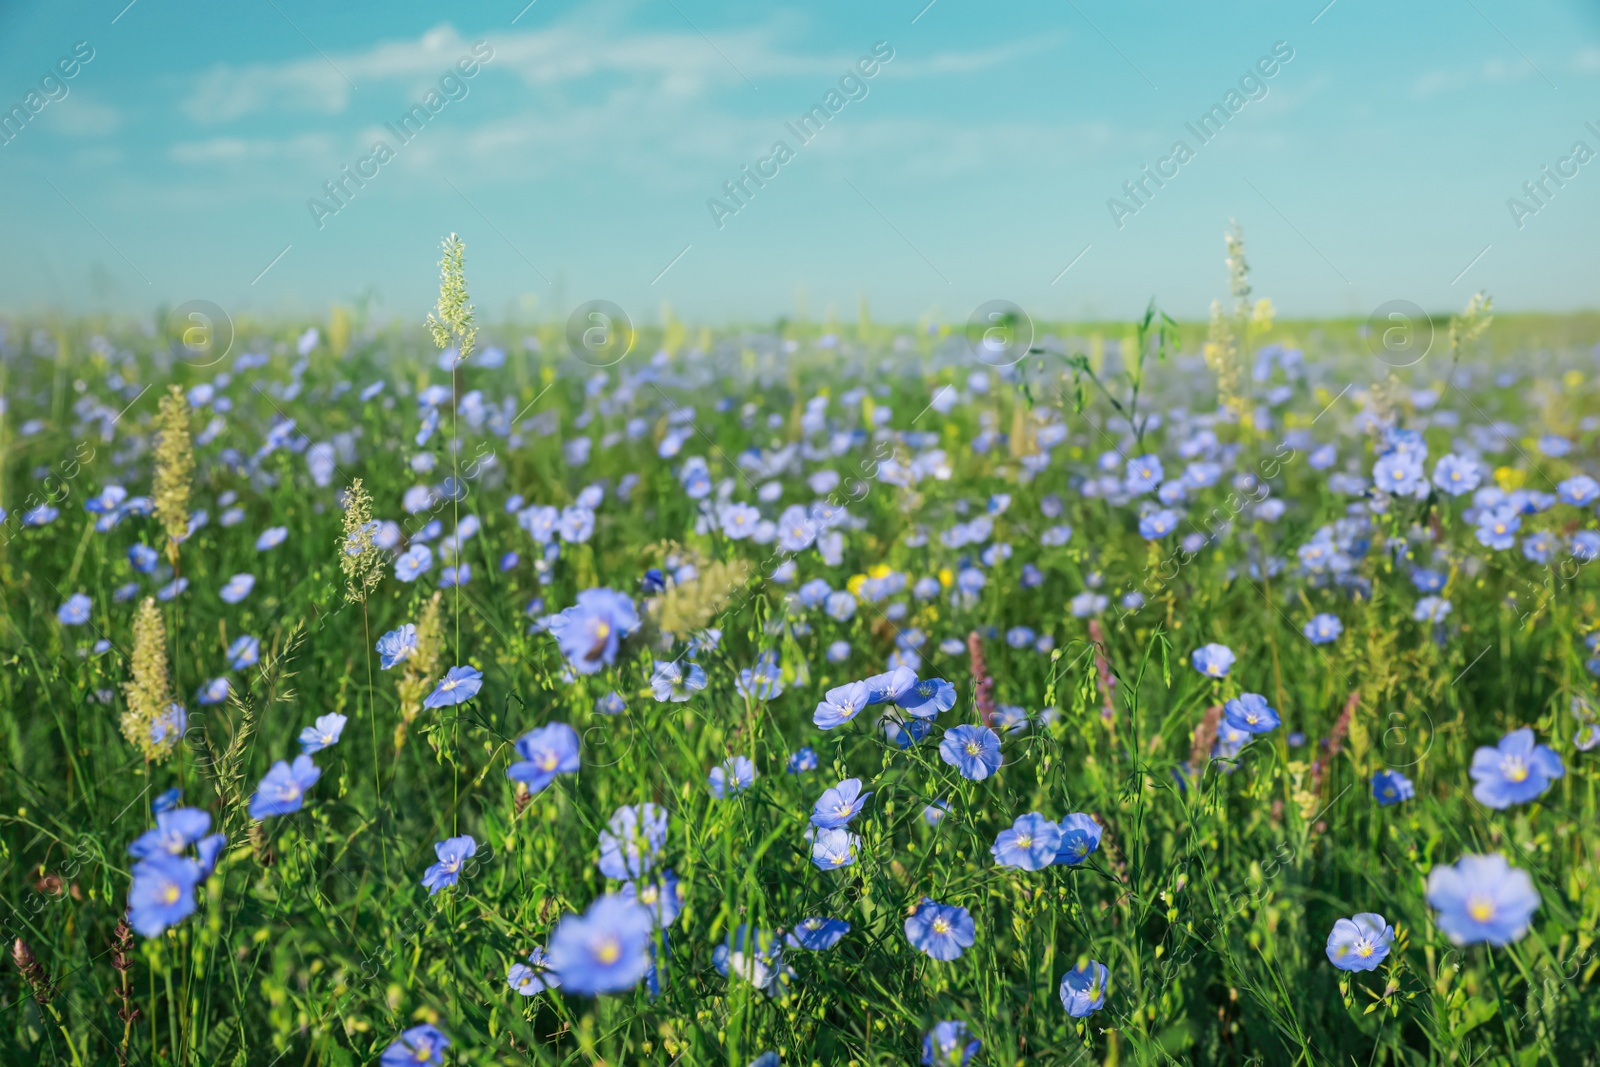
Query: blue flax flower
x,y
1455,475
948,1045
546,752
590,631
237,588
838,805
972,750
671,682
840,605
755,956
1431,609
283,790
413,563
209,848
804,759
1213,660
533,977
1144,474
1391,787
396,646
1482,898
1080,836
632,839
892,686
605,950
1251,713
176,829
244,652
324,734
1083,989
832,849
423,1044
459,685
1158,524
171,723
1515,772
74,611
1323,629
663,897
1580,491
928,698
842,703
1030,844
942,931
764,681
1497,527
1361,943
453,853
732,777
162,893
905,732
818,933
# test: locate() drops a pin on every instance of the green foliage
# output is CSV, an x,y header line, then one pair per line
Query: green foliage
x,y
1210,899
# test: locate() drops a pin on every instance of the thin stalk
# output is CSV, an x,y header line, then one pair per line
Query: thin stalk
x,y
372,718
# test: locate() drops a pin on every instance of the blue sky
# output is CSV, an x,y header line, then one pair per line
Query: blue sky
x,y
1375,164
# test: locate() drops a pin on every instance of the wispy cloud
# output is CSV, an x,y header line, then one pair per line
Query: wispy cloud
x,y
84,116
253,150
1491,73
678,65
667,96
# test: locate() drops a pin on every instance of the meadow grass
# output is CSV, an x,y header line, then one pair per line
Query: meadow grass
x,y
1222,866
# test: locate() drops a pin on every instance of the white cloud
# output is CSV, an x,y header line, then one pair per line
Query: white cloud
x,y
1491,72
665,113
236,150
680,66
82,116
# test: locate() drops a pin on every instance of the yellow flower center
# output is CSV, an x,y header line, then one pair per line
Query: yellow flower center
x,y
973,748
940,926
1514,768
608,951
1024,841
1481,909
171,894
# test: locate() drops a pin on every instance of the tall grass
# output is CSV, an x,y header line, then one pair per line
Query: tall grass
x,y
1215,886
